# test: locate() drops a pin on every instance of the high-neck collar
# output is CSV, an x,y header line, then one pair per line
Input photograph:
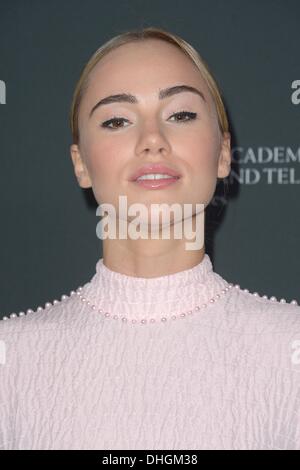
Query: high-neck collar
x,y
145,298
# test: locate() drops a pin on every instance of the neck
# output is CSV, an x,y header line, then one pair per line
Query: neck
x,y
149,265
143,298
148,257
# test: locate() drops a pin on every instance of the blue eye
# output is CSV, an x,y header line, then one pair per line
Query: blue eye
x,y
116,119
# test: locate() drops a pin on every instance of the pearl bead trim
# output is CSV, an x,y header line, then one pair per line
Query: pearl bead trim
x,y
181,315
152,320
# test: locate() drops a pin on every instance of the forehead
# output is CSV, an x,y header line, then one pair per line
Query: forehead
x,y
138,57
143,68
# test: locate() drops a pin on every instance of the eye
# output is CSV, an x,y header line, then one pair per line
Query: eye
x,y
190,115
115,120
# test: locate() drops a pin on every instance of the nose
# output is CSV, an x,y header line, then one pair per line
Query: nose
x,y
152,140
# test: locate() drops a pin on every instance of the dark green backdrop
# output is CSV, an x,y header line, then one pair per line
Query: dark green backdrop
x,y
48,240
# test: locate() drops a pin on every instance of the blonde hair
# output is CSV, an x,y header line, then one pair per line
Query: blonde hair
x,y
141,35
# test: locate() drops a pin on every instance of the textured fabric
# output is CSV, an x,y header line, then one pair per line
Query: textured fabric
x,y
225,376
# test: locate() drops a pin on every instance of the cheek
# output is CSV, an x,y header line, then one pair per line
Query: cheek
x,y
104,165
102,160
201,153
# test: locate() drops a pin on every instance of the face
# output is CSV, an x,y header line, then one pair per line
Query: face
x,y
149,131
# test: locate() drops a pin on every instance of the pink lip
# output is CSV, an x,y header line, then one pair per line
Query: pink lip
x,y
156,184
155,168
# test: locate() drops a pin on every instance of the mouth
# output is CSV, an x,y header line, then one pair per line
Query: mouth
x,y
155,181
155,176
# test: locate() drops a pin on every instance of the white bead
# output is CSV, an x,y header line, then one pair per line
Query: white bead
x,y
237,286
48,304
152,320
283,301
265,297
273,299
21,314
13,315
64,297
39,309
5,318
256,294
72,292
27,311
246,290
294,302
55,302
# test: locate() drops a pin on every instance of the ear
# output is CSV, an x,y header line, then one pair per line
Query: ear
x,y
224,164
80,169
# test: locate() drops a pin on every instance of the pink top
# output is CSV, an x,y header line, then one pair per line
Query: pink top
x,y
183,361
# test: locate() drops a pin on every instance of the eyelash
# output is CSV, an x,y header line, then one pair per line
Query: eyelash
x,y
191,115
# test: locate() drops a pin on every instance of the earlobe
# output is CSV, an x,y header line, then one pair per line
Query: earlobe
x,y
75,155
224,165
80,169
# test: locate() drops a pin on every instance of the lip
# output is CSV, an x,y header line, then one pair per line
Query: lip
x,y
155,168
156,184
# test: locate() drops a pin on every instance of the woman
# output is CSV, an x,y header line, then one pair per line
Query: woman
x,y
156,351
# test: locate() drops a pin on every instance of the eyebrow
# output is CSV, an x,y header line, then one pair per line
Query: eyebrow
x,y
128,98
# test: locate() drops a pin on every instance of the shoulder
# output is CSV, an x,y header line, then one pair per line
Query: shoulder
x,y
45,336
261,313
270,327
54,315
252,303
